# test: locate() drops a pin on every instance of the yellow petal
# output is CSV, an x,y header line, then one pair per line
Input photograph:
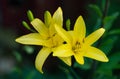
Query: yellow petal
x,y
95,53
79,28
40,27
79,58
66,60
64,34
41,57
58,17
52,30
90,39
74,39
63,51
31,39
57,40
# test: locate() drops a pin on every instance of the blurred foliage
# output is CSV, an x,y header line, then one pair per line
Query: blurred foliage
x,y
23,56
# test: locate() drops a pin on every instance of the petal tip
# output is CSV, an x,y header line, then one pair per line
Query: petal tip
x,y
80,16
59,9
54,54
106,59
102,29
18,40
38,67
39,70
82,63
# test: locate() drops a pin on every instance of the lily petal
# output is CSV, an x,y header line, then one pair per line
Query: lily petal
x,y
57,40
90,39
52,30
79,58
66,60
79,28
40,27
74,38
64,34
95,53
58,17
63,51
31,39
41,57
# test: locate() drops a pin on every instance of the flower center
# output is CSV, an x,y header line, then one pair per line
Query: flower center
x,y
77,47
54,40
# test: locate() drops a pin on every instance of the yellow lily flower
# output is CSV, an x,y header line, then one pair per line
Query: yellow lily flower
x,y
78,45
46,37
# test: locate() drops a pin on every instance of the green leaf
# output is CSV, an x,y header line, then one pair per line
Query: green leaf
x,y
114,60
108,20
103,4
115,31
31,75
30,15
68,24
108,44
66,71
101,76
17,56
29,72
47,18
117,66
96,9
98,24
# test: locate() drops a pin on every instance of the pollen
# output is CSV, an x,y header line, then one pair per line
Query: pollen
x,y
77,47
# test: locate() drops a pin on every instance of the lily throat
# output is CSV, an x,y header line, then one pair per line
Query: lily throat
x,y
77,47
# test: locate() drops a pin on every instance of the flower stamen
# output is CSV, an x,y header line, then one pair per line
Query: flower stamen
x,y
77,47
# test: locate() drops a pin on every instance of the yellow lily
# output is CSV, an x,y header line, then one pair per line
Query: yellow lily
x,y
78,45
46,37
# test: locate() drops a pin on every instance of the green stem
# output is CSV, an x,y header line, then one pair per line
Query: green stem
x,y
74,73
105,11
70,70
